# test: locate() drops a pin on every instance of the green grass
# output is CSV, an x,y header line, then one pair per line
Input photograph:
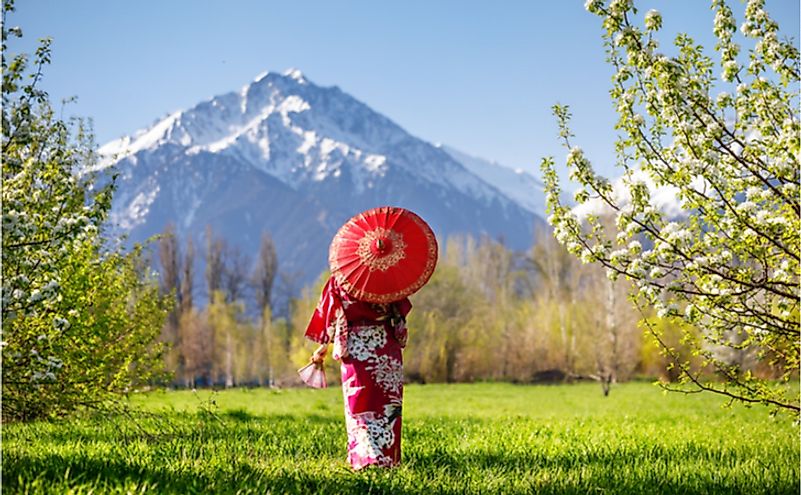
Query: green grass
x,y
482,438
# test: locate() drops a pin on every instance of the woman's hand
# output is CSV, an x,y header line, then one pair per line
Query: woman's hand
x,y
319,355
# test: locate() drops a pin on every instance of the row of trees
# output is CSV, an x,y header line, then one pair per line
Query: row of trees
x,y
491,314
224,342
488,313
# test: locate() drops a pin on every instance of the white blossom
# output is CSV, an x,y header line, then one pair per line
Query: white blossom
x,y
35,296
635,268
653,19
753,193
746,207
632,229
575,154
60,323
618,255
690,312
750,29
730,69
593,6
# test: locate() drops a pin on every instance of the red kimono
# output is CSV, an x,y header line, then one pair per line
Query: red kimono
x,y
368,340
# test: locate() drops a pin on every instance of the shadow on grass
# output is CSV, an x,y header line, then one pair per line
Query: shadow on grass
x,y
154,428
240,414
438,471
60,474
693,470
306,464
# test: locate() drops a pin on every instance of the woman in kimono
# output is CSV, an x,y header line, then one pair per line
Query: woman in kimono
x,y
368,340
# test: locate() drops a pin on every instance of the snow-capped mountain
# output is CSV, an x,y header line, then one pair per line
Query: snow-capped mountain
x,y
296,160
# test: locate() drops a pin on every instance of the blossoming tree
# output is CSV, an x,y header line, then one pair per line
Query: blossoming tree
x,y
722,137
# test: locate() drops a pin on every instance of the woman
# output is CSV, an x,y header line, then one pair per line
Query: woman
x,y
368,340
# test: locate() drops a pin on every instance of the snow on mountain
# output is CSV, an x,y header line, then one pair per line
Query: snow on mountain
x,y
294,159
519,185
325,128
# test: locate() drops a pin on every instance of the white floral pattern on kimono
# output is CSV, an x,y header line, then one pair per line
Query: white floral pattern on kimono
x,y
388,373
362,342
372,374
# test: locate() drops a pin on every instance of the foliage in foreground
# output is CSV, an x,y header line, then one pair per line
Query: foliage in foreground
x,y
78,318
728,150
482,438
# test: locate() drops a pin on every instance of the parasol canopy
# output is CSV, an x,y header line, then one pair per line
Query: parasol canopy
x,y
383,255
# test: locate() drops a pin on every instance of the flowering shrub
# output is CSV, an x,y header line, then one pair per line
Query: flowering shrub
x,y
78,320
723,139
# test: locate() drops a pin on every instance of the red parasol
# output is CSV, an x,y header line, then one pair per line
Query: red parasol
x,y
383,255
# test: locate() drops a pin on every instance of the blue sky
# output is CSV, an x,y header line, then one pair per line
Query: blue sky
x,y
480,76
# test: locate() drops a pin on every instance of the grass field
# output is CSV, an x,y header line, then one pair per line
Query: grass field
x,y
481,438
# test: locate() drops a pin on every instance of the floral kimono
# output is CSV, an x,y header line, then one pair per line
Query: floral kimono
x,y
367,340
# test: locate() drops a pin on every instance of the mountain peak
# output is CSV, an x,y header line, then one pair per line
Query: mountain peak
x,y
261,76
287,80
295,74
288,157
288,127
